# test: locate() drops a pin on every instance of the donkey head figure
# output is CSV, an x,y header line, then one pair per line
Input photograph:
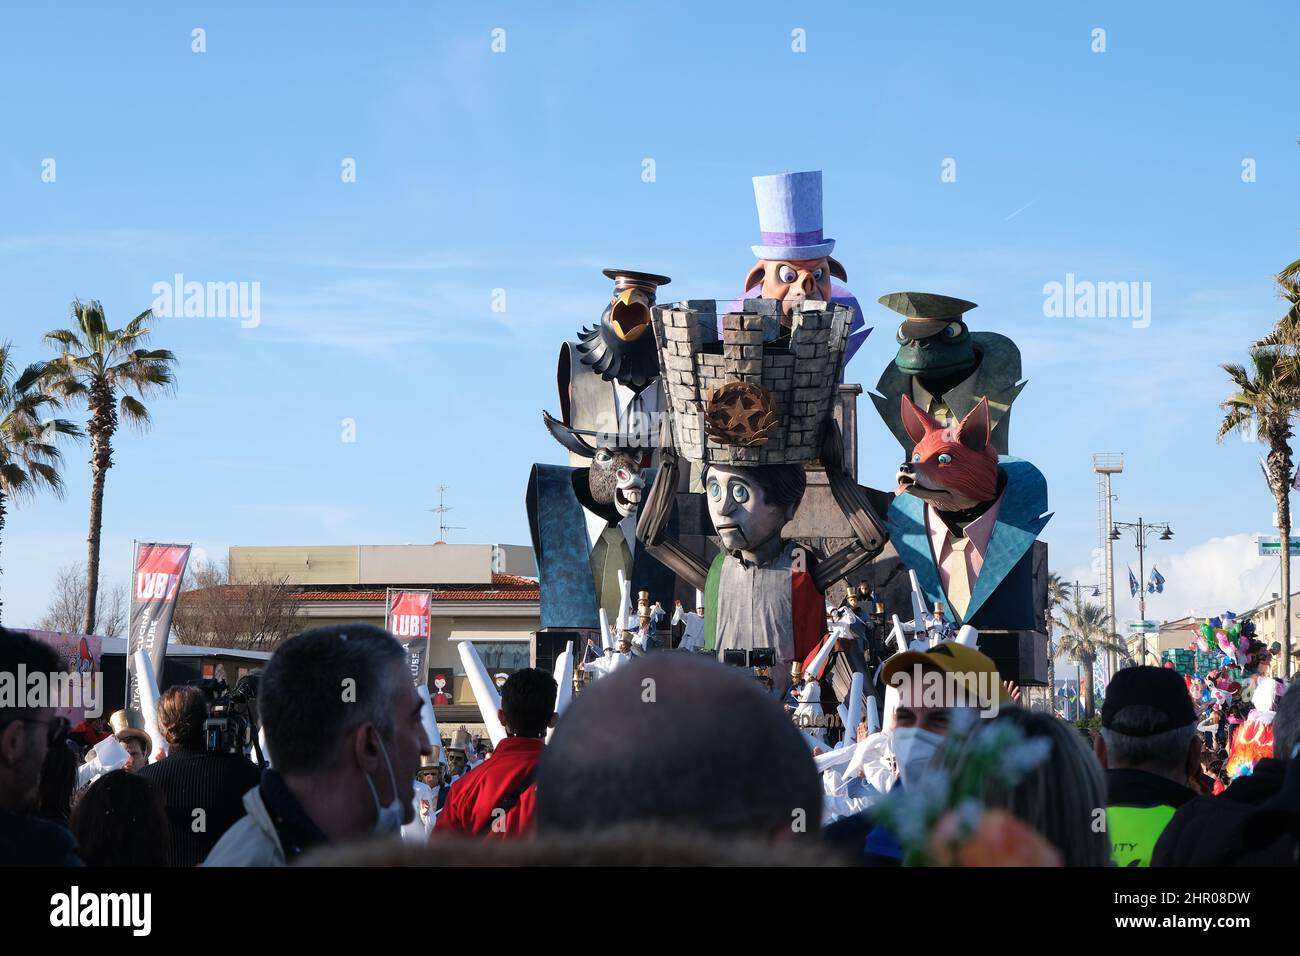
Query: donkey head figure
x,y
612,485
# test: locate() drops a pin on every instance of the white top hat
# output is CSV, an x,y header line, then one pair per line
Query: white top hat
x,y
790,216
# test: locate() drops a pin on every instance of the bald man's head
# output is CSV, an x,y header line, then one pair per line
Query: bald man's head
x,y
682,740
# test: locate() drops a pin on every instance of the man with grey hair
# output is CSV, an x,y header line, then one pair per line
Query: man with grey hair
x,y
342,722
1150,749
1212,831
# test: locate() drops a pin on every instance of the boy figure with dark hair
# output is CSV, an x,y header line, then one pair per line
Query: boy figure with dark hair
x,y
770,596
497,798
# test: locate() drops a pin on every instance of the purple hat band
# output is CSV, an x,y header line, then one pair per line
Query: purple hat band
x,y
792,238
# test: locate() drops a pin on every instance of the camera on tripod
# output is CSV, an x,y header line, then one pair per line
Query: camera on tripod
x,y
228,728
756,658
759,661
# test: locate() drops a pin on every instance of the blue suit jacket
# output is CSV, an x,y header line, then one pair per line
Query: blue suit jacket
x,y
1003,596
559,531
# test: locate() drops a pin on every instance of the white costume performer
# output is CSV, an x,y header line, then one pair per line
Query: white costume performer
x,y
425,800
657,614
808,714
610,661
693,634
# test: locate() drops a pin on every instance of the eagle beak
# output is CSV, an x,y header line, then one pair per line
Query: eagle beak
x,y
630,316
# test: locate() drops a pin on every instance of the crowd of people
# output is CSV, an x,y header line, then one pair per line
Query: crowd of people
x,y
673,758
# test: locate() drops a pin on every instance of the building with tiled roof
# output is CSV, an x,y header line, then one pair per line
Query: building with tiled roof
x,y
482,593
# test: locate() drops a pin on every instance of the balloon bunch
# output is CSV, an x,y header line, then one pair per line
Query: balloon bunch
x,y
1234,640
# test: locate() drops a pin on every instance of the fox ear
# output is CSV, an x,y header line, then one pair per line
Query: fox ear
x,y
837,270
976,428
756,275
916,421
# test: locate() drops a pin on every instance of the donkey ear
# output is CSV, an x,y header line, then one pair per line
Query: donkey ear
x,y
837,269
916,421
977,427
756,276
565,436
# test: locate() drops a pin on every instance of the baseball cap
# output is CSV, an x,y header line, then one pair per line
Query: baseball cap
x,y
951,658
1155,687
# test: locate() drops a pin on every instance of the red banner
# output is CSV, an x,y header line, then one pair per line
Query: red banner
x,y
407,619
155,586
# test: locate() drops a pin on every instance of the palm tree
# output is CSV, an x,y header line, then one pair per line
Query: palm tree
x,y
1086,635
1285,342
29,460
1286,333
1058,596
1266,397
102,366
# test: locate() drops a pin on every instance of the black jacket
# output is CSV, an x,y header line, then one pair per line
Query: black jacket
x,y
33,841
193,780
1210,831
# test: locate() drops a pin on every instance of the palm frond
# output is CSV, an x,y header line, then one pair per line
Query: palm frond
x,y
46,475
66,339
14,481
90,317
134,411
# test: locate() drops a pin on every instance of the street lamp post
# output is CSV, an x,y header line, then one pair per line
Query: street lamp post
x,y
1079,586
1096,592
1140,531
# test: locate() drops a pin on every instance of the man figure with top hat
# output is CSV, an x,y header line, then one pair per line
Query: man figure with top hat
x,y
137,742
458,753
794,258
432,774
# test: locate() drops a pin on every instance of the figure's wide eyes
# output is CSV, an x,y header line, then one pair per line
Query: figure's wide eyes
x,y
786,274
715,490
740,493
952,330
817,276
916,456
603,457
945,459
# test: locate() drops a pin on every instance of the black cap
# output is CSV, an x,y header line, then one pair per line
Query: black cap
x,y
1161,689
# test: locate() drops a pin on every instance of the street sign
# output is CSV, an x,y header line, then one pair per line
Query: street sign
x,y
1143,626
1273,549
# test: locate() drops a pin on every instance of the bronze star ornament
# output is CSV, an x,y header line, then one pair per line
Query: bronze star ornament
x,y
740,414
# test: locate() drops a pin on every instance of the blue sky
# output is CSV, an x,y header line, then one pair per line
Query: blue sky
x,y
522,171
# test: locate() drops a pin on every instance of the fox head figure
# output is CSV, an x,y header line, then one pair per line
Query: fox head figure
x,y
952,469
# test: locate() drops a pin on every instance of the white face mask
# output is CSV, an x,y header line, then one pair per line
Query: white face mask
x,y
913,749
388,819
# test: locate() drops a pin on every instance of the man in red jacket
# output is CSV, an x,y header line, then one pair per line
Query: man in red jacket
x,y
497,798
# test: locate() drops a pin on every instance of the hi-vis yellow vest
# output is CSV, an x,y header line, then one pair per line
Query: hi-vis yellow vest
x,y
1134,832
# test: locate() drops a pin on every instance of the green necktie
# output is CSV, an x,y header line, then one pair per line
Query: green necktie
x,y
609,556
